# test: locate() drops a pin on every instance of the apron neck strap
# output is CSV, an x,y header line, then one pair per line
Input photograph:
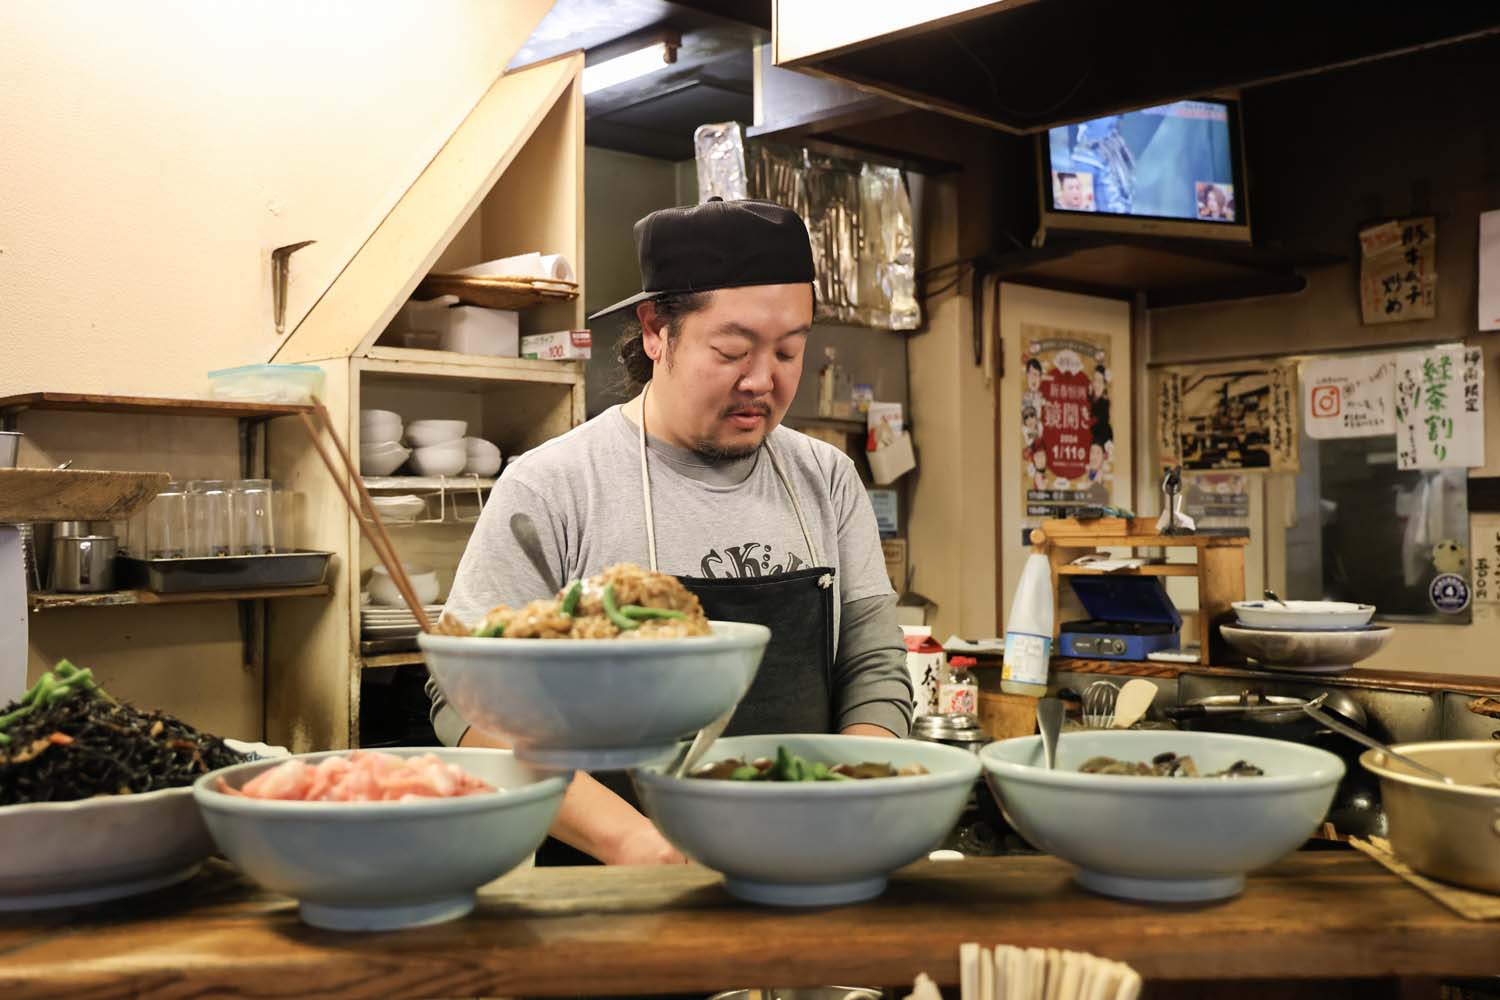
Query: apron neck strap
x,y
812,550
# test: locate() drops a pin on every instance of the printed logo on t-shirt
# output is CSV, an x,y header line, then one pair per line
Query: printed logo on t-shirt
x,y
747,560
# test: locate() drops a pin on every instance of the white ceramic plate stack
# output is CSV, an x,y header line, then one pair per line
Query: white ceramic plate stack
x,y
380,449
439,448
1317,637
393,623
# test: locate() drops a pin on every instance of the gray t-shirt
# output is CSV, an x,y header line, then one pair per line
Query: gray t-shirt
x,y
713,519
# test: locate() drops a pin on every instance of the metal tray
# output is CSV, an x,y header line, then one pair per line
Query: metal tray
x,y
176,576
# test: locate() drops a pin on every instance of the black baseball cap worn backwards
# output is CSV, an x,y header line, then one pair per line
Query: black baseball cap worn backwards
x,y
719,244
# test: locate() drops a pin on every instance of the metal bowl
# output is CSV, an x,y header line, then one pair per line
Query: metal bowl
x,y
1450,832
1308,652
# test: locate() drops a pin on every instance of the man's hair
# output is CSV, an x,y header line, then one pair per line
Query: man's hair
x,y
1034,363
1063,177
670,308
1027,412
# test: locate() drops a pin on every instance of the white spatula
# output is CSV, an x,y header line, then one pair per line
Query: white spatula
x,y
1135,697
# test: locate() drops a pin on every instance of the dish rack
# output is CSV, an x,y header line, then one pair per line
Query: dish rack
x,y
1219,567
448,491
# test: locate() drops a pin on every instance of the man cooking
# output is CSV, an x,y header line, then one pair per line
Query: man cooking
x,y
696,477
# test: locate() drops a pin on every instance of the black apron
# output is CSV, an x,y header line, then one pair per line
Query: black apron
x,y
793,689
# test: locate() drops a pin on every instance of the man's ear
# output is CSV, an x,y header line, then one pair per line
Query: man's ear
x,y
653,330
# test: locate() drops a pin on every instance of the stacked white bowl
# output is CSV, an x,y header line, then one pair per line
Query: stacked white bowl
x,y
483,457
380,449
438,445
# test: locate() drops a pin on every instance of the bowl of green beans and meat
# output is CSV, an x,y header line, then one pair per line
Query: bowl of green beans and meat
x,y
823,821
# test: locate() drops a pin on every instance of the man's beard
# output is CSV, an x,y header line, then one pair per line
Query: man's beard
x,y
712,451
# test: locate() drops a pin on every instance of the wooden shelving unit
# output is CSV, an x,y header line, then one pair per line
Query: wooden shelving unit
x,y
30,495
1150,569
509,180
78,402
381,661
50,601
1219,569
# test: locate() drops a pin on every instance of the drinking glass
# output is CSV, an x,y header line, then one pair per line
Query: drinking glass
x,y
252,521
287,513
209,517
167,524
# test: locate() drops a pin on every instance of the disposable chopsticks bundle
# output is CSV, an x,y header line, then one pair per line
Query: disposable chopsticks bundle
x,y
1010,973
363,509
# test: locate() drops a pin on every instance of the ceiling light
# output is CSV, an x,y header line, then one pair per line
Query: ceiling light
x,y
612,72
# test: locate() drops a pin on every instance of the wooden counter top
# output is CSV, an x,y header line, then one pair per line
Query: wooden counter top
x,y
611,931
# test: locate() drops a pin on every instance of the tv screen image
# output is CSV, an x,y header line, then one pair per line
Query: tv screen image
x,y
1176,161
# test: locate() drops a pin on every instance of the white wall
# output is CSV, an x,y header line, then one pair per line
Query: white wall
x,y
153,154
151,157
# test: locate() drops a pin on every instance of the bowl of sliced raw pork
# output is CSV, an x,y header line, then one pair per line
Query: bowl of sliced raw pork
x,y
376,840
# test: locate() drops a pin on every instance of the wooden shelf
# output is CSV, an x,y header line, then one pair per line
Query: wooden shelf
x,y
381,661
28,495
480,372
498,291
1151,569
50,601
146,405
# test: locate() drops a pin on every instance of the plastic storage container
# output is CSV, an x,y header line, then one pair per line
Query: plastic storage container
x,y
267,383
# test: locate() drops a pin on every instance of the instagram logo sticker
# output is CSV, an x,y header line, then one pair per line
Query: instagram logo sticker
x,y
1326,401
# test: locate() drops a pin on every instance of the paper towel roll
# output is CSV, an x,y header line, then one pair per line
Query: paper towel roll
x,y
556,267
526,265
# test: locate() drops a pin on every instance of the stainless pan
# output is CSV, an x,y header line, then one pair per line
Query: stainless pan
x,y
1449,832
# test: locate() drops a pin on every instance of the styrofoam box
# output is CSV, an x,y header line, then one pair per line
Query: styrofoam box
x,y
564,345
476,330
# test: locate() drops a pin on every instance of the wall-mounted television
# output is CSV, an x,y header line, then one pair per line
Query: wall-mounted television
x,y
1173,170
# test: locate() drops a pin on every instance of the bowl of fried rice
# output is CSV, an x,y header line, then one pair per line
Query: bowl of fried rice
x,y
608,673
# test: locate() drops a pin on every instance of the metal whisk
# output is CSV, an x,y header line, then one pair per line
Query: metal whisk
x,y
1099,704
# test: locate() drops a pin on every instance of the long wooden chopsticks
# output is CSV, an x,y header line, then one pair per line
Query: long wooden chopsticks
x,y
363,509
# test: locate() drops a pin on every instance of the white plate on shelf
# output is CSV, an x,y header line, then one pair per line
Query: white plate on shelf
x,y
403,507
1303,616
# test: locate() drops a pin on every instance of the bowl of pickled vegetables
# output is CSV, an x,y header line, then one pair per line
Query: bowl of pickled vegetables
x,y
1158,815
810,819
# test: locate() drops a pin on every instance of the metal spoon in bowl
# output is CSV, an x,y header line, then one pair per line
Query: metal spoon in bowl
x,y
1049,717
1271,596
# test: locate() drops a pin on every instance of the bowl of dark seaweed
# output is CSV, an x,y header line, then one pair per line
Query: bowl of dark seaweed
x,y
95,796
1164,816
810,819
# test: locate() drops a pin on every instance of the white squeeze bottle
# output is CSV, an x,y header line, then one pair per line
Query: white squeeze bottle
x,y
1028,631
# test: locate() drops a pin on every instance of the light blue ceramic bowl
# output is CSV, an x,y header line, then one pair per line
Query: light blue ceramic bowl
x,y
1170,839
596,703
382,865
812,843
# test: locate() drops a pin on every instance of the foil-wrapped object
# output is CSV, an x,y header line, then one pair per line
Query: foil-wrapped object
x,y
888,260
858,216
720,154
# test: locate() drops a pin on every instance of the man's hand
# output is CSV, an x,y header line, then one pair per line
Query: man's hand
x,y
643,844
867,729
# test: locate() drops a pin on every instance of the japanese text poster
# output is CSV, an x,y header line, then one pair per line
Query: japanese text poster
x,y
1440,408
1349,397
1068,440
1397,274
1232,416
